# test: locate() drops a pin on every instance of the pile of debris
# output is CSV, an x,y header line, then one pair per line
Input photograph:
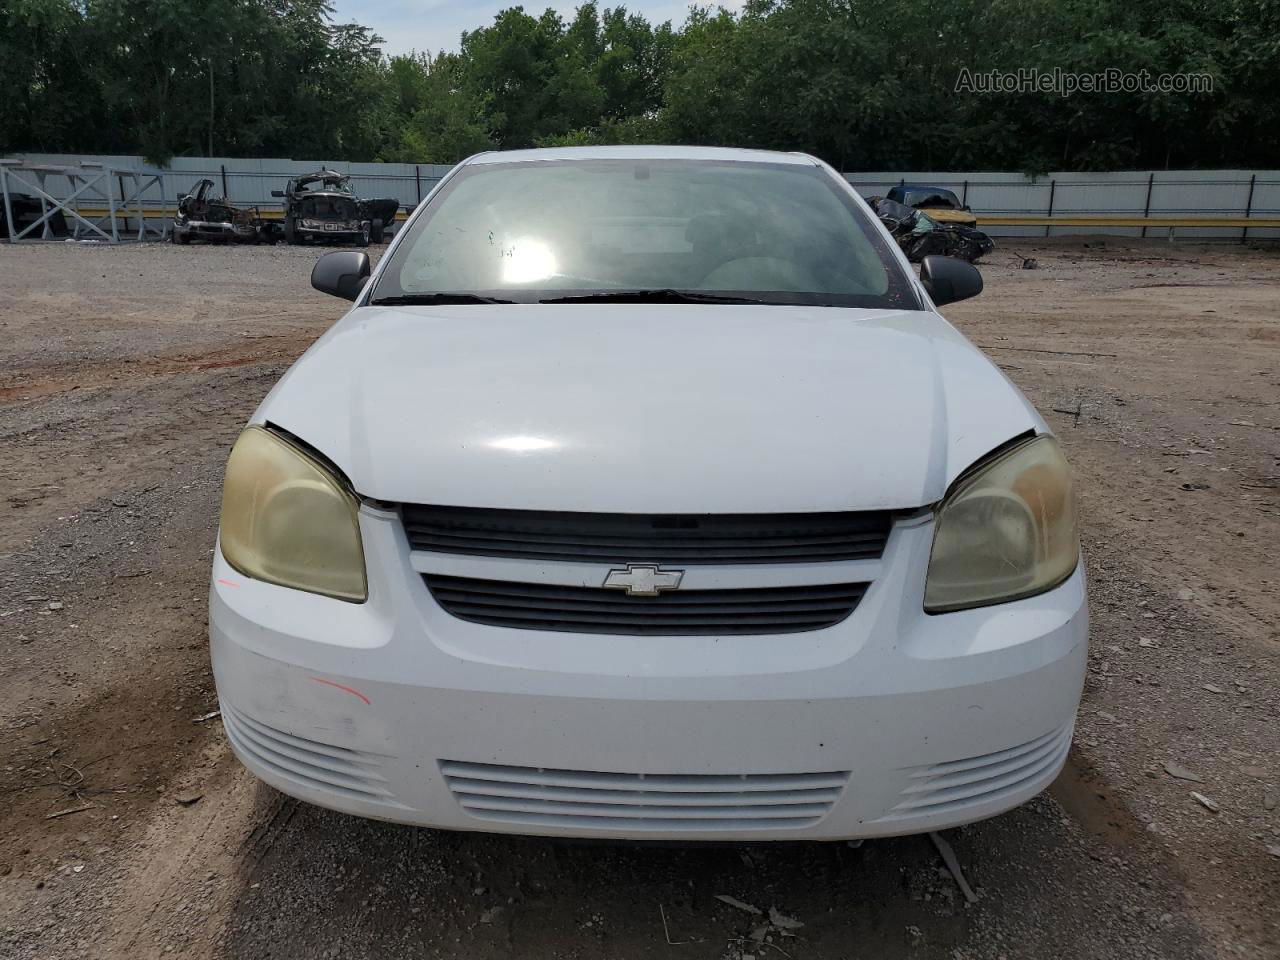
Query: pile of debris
x,y
920,235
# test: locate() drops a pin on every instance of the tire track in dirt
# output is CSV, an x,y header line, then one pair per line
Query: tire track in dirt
x,y
44,381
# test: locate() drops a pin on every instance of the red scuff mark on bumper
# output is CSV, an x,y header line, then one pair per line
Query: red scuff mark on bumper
x,y
354,693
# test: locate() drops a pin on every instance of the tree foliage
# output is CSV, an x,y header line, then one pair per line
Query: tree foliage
x,y
866,84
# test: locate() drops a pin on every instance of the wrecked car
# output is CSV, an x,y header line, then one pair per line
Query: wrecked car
x,y
921,234
939,203
215,218
322,206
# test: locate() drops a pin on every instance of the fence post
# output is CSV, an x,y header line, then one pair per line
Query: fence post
x,y
1053,187
417,180
964,197
111,205
224,179
1248,206
1146,210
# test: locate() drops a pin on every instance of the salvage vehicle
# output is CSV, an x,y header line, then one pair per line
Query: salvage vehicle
x,y
940,203
322,206
200,216
644,493
920,235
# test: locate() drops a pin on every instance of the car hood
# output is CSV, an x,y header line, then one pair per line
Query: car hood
x,y
648,408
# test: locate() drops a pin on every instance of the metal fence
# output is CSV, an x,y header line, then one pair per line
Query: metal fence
x,y
1192,203
249,182
1137,203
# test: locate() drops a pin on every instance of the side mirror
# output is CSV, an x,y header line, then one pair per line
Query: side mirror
x,y
277,193
947,279
343,273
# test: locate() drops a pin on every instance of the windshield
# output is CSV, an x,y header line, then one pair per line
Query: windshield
x,y
545,230
932,198
321,184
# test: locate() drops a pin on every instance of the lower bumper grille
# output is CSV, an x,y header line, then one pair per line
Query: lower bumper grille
x,y
540,606
951,786
308,763
632,801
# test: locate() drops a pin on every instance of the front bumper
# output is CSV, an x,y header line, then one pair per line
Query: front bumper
x,y
333,232
216,229
891,722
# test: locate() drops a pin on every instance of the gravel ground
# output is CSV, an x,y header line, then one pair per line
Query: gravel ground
x,y
127,829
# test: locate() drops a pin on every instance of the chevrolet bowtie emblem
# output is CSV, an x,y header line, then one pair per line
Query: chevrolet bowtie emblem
x,y
643,580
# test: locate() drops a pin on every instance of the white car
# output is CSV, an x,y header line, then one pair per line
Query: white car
x,y
643,493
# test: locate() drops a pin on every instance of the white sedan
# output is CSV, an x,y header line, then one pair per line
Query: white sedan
x,y
643,493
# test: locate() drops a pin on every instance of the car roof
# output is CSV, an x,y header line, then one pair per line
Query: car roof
x,y
641,152
924,186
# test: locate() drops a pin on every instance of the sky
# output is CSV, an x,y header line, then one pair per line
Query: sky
x,y
434,25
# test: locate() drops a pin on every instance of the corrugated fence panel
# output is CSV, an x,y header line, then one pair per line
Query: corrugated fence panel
x,y
1173,193
1006,196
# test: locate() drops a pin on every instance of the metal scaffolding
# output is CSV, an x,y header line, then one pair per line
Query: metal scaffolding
x,y
96,199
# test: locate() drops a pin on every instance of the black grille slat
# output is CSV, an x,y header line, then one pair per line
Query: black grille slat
x,y
613,601
536,606
615,540
637,538
515,588
621,606
588,611
673,622
642,630
640,552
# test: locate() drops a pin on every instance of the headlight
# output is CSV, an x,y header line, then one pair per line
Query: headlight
x,y
1006,531
311,224
286,519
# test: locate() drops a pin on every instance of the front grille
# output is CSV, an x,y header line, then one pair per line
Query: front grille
x,y
542,606
646,538
634,801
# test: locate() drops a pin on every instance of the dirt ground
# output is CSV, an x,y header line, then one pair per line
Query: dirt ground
x,y
127,829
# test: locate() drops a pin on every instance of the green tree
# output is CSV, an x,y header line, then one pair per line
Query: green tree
x,y
864,84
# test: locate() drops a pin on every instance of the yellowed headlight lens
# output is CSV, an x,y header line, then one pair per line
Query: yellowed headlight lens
x,y
1006,532
287,520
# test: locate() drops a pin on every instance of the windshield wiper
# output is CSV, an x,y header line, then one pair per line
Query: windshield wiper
x,y
433,299
661,295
